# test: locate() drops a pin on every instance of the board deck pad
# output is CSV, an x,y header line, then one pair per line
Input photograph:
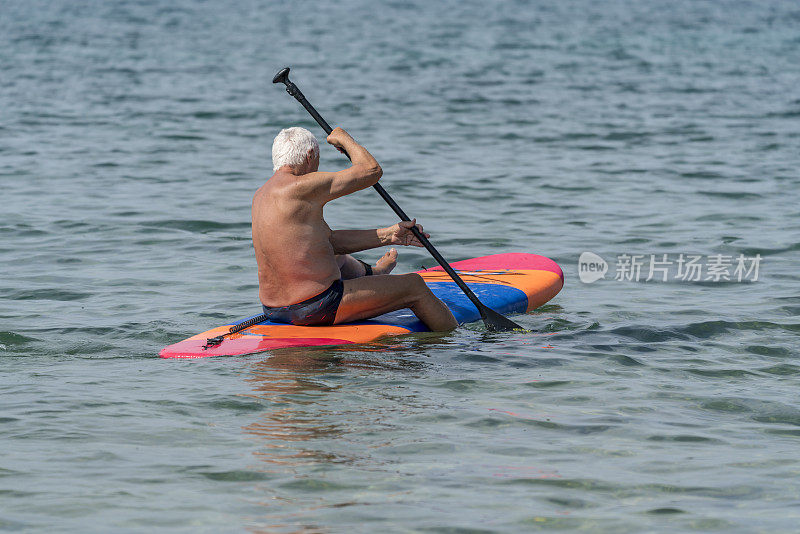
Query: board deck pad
x,y
508,283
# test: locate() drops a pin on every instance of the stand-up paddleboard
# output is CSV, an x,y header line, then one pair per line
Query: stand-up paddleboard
x,y
507,283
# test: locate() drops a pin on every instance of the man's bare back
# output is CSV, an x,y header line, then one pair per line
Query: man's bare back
x,y
292,243
296,250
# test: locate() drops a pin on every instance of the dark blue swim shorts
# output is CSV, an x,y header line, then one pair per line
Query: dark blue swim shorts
x,y
316,311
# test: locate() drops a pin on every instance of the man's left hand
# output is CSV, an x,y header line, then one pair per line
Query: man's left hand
x,y
400,234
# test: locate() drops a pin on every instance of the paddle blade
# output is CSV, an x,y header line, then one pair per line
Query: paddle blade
x,y
497,323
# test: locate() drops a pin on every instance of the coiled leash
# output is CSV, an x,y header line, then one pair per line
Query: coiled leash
x,y
214,341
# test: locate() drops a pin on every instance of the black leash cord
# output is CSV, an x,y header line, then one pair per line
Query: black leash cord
x,y
214,341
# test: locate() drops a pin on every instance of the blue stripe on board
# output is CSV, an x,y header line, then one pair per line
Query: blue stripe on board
x,y
503,299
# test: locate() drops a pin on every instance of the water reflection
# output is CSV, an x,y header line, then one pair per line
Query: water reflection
x,y
294,381
323,408
313,396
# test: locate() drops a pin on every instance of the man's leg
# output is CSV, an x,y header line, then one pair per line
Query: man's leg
x,y
369,296
352,268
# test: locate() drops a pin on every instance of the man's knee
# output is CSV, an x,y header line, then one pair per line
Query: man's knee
x,y
415,285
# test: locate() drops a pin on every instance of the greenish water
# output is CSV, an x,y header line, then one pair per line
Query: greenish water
x,y
133,134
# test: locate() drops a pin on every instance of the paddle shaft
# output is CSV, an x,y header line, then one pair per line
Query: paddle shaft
x,y
493,319
292,89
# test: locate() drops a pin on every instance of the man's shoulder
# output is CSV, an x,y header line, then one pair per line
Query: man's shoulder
x,y
275,184
287,187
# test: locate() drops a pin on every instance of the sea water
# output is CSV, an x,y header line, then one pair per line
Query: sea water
x,y
646,398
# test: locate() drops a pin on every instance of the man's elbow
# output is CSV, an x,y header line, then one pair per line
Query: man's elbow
x,y
371,173
376,172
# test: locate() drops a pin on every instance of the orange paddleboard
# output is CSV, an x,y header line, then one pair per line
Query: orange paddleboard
x,y
507,283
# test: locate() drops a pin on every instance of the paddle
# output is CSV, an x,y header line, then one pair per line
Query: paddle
x,y
493,320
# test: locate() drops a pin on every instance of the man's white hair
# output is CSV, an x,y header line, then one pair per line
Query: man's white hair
x,y
291,147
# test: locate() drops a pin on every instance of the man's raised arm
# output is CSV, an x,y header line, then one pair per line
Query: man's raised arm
x,y
364,171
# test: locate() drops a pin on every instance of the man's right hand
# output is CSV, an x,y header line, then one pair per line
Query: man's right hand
x,y
338,138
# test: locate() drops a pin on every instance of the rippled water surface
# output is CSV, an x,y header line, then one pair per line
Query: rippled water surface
x,y
133,134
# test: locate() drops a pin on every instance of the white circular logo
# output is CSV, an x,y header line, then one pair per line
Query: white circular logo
x,y
591,267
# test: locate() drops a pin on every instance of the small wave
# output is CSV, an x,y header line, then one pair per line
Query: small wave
x,y
783,415
22,230
197,225
686,438
208,115
649,334
236,476
788,114
722,373
568,188
758,410
47,294
781,370
752,251
763,350
700,330
544,384
13,339
707,329
595,148
182,137
665,511
703,175
626,136
236,405
729,194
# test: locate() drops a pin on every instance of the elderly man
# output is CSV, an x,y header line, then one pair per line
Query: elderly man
x,y
305,273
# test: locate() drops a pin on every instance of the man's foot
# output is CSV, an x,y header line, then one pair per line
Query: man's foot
x,y
386,263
